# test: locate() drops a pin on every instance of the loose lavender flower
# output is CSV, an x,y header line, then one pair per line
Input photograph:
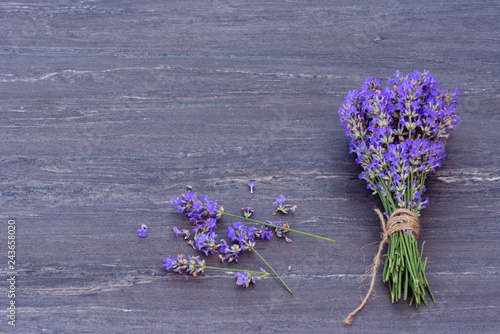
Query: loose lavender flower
x,y
280,202
280,233
245,278
244,239
207,226
142,231
251,185
247,211
176,231
265,232
243,235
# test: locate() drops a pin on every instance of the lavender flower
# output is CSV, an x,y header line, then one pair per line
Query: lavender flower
x,y
240,233
207,243
245,278
230,253
247,211
280,202
251,185
176,231
265,232
142,231
192,265
197,210
280,233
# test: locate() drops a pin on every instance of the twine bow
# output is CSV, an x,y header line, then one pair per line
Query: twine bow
x,y
401,219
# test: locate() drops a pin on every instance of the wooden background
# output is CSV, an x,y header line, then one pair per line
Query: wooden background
x,y
110,108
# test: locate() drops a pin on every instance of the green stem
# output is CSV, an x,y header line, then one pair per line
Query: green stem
x,y
275,273
247,271
281,227
388,194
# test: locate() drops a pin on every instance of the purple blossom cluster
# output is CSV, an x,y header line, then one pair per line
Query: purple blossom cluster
x,y
192,265
282,207
399,134
197,210
204,214
242,237
245,278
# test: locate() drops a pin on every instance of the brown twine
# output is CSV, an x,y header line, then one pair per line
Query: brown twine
x,y
401,219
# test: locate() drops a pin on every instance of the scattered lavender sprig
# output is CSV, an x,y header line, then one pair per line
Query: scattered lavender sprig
x,y
399,135
244,236
189,205
204,213
193,266
251,185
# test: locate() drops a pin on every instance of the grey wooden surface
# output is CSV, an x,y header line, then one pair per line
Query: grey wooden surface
x,y
109,108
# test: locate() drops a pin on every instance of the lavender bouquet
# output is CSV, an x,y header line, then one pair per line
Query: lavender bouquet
x,y
399,135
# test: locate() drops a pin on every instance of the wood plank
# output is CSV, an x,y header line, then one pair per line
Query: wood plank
x,y
109,108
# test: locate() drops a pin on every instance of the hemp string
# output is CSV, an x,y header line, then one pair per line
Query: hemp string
x,y
401,219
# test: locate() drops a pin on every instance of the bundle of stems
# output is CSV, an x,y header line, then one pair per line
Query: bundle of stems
x,y
399,135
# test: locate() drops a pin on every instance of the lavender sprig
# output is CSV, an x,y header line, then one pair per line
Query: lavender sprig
x,y
244,236
194,266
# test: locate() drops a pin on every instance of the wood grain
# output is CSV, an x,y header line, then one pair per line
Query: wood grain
x,y
109,108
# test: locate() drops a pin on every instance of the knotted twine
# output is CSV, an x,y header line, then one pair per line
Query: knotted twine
x,y
401,219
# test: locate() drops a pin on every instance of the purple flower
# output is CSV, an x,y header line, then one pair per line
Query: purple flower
x,y
280,200
245,278
207,243
265,232
142,231
247,211
207,226
251,185
176,231
197,210
240,233
192,265
230,253
168,263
